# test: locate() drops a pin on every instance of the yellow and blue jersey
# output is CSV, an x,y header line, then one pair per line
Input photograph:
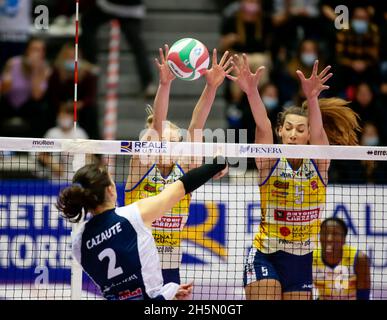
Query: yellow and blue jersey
x,y
292,202
167,229
339,282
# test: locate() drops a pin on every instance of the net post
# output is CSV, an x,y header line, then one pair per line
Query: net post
x,y
76,272
76,269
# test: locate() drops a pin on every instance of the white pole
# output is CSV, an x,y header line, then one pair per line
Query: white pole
x,y
76,270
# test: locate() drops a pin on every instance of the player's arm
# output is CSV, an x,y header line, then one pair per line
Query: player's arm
x,y
248,82
161,102
312,87
160,109
153,208
214,78
363,277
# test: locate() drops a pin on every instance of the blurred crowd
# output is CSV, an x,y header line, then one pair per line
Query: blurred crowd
x,y
289,35
37,84
37,89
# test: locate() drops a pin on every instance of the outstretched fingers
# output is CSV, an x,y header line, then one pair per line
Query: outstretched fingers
x,y
324,72
224,58
157,63
214,57
227,71
325,79
300,75
162,57
315,68
228,63
166,50
237,61
232,78
258,74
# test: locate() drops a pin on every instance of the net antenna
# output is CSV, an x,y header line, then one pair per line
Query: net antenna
x,y
79,160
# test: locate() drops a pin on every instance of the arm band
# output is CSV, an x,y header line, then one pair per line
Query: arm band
x,y
363,294
195,178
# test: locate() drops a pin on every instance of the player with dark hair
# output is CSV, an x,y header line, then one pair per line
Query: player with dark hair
x,y
116,247
340,271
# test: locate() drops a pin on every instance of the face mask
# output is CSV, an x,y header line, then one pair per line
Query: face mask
x,y
65,123
371,141
270,102
308,59
250,7
360,26
69,65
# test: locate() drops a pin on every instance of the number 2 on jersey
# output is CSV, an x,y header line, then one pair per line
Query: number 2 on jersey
x,y
113,271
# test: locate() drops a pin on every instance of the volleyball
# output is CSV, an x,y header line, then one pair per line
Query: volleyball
x,y
188,59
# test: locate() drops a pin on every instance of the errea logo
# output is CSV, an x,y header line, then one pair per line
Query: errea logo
x,y
377,152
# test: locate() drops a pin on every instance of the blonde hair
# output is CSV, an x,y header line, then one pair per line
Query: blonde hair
x,y
149,121
341,123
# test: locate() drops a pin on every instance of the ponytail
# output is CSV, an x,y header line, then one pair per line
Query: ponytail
x,y
86,193
341,123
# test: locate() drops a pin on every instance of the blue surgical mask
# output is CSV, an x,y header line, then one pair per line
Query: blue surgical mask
x,y
360,26
270,102
65,122
69,65
308,59
371,141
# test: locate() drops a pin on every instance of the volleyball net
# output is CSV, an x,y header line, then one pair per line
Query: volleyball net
x,y
224,215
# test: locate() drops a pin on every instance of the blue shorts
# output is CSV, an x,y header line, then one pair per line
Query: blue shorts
x,y
292,271
171,275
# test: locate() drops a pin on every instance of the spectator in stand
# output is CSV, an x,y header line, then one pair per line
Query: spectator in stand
x,y
130,13
15,22
272,102
382,101
361,171
58,165
293,21
24,85
285,75
64,128
357,50
61,89
364,104
246,30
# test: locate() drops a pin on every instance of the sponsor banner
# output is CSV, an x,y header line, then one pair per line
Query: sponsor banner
x,y
219,232
168,223
194,149
144,147
296,216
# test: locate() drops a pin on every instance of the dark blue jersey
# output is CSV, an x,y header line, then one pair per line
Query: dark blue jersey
x,y
119,254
